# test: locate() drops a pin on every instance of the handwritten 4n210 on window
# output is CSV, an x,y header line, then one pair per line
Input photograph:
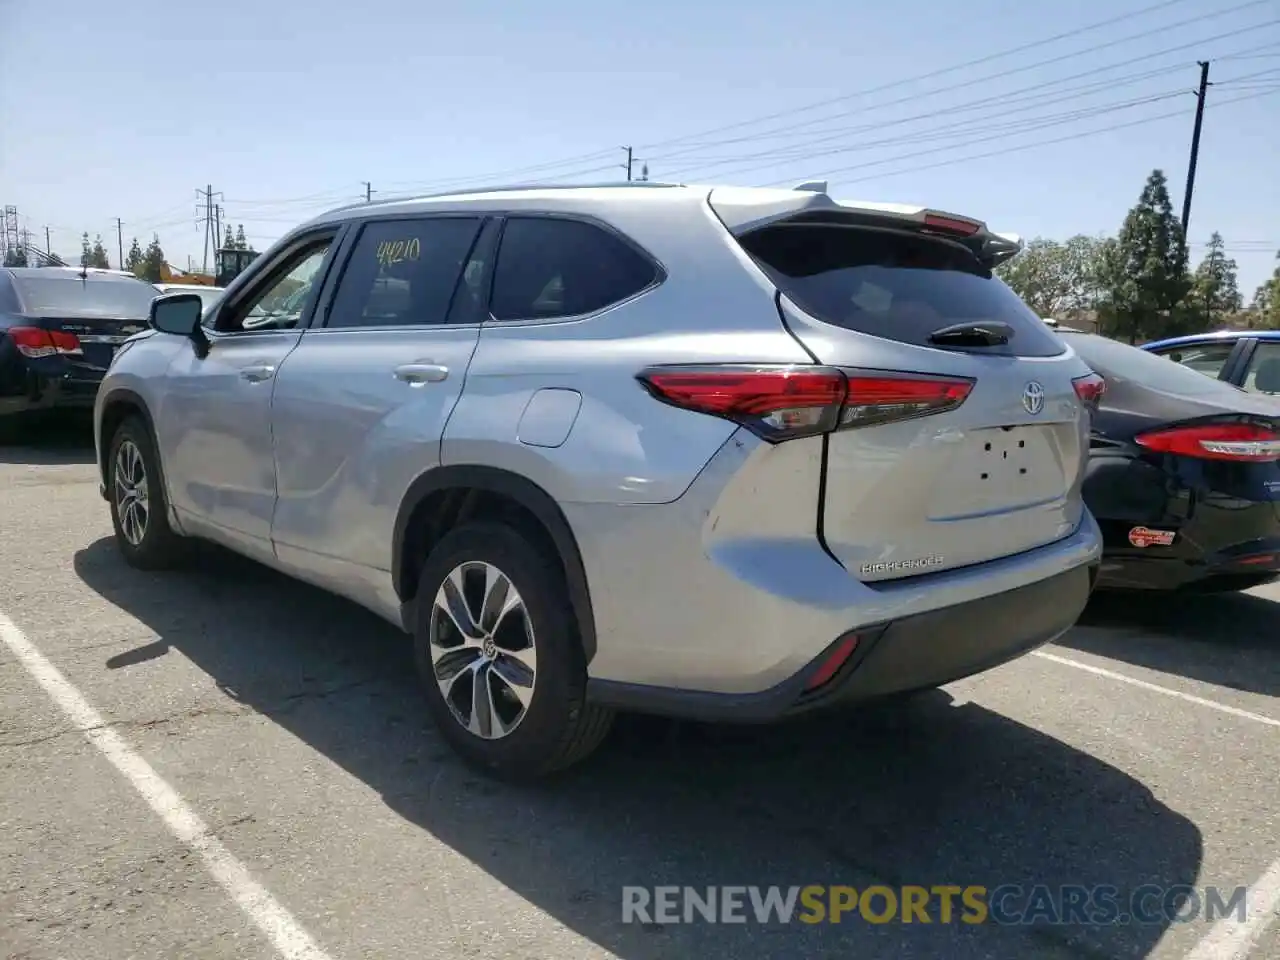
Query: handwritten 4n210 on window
x,y
398,251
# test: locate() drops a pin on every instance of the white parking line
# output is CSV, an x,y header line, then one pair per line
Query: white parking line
x,y
1231,939
285,933
1156,688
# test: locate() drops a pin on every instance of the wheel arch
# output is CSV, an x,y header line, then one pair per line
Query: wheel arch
x,y
119,404
443,497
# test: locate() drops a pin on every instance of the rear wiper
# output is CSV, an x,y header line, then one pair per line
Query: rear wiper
x,y
972,335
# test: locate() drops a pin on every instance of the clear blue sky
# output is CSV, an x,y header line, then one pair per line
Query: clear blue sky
x,y
285,107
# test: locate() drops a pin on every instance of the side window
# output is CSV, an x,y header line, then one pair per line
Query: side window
x,y
1263,375
279,305
550,268
1207,358
403,272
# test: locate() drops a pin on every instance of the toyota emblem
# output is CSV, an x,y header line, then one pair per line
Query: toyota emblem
x,y
1033,398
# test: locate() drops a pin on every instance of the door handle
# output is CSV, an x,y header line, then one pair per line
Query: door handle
x,y
258,373
417,374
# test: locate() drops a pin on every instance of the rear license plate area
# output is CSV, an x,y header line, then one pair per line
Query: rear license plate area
x,y
1000,469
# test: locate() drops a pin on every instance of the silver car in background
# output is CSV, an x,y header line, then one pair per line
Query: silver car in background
x,y
720,453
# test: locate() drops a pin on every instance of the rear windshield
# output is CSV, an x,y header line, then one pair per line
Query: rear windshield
x,y
122,299
892,284
1121,364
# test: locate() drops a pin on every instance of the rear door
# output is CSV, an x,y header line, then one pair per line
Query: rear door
x,y
931,483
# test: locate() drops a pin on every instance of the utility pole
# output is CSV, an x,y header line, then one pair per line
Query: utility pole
x,y
217,222
210,219
1195,152
120,240
630,159
368,191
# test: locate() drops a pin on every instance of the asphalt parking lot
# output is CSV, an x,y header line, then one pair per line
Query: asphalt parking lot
x,y
334,823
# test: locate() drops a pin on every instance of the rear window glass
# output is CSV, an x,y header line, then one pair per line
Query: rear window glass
x,y
1120,363
122,299
892,285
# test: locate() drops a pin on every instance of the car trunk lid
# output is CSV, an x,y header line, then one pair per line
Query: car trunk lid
x,y
909,291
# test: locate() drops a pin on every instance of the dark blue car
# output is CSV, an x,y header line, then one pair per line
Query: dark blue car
x,y
1249,359
59,329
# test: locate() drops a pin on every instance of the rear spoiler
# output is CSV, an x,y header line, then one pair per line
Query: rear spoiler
x,y
743,210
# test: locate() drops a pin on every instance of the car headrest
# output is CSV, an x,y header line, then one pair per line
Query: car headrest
x,y
1267,377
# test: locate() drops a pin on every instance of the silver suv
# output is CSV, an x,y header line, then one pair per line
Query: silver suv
x,y
718,453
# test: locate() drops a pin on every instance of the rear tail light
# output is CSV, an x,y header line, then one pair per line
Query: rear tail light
x,y
1241,442
1090,389
35,342
783,402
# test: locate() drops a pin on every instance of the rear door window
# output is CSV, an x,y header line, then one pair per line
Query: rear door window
x,y
1263,374
892,284
550,267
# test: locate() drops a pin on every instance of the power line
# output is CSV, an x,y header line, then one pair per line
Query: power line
x,y
952,160
929,75
914,97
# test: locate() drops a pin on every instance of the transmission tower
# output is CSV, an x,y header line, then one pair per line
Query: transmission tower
x,y
12,235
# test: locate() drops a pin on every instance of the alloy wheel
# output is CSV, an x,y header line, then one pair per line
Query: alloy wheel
x,y
133,507
482,649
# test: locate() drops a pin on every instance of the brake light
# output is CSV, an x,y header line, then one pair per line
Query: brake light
x,y
781,402
1090,389
35,342
965,228
1240,442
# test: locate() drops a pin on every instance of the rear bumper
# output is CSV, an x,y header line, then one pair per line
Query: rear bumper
x,y
32,387
918,652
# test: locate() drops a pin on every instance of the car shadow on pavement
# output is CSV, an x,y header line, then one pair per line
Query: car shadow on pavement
x,y
926,793
1228,639
64,439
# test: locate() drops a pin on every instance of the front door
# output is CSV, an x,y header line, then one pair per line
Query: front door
x,y
214,423
361,405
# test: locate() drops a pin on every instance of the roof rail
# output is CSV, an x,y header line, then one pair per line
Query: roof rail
x,y
500,188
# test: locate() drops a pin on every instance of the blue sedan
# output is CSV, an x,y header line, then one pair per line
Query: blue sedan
x,y
1248,359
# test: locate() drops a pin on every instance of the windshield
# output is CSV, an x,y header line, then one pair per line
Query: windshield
x,y
117,298
1120,362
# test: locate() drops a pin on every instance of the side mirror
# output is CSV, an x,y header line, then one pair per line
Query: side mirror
x,y
179,314
176,313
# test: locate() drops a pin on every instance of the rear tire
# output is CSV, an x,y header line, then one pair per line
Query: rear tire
x,y
139,508
498,650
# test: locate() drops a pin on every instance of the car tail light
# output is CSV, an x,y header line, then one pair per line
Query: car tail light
x,y
1090,389
35,342
1241,442
883,398
787,401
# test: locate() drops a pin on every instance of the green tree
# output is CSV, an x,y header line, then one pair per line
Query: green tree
x,y
1144,272
241,242
98,256
86,250
228,239
134,258
16,257
152,261
1215,292
1266,300
1056,278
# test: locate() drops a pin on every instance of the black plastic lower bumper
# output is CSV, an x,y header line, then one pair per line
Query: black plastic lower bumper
x,y
927,650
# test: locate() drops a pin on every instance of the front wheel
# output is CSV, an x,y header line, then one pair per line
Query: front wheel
x,y
498,650
139,510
